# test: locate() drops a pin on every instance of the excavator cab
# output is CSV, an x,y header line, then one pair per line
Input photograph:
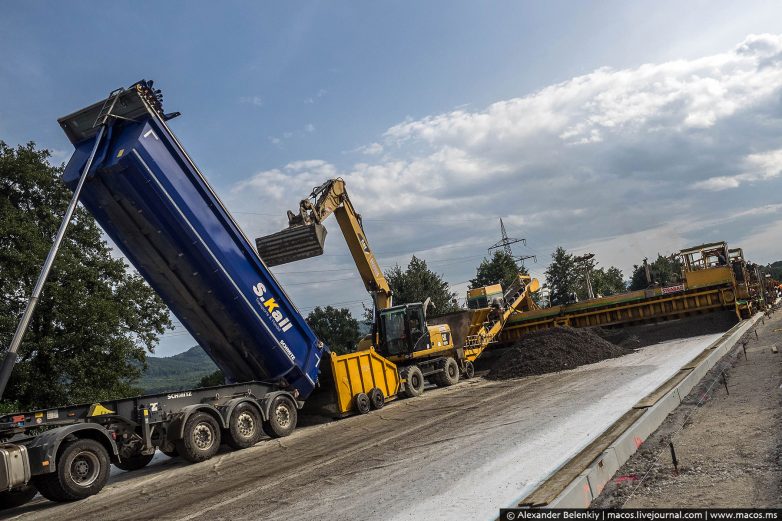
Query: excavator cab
x,y
402,330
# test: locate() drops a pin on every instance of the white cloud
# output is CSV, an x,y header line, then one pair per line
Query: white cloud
x,y
371,149
758,167
625,162
255,101
309,127
312,99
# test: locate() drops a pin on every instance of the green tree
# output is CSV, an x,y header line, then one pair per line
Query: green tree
x,y
500,269
561,277
95,321
664,270
212,379
417,283
607,282
774,269
335,327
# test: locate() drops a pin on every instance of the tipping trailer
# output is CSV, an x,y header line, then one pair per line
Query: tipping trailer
x,y
133,175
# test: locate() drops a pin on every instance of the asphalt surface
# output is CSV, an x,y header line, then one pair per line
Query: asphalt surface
x,y
460,452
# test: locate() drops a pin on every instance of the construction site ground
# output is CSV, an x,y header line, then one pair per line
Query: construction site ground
x,y
457,453
728,442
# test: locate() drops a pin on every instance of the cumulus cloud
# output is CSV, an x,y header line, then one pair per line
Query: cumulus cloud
x,y
758,167
371,149
628,162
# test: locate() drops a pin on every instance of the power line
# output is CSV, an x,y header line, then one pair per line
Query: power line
x,y
371,219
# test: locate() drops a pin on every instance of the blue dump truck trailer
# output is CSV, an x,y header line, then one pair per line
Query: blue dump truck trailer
x,y
151,199
133,175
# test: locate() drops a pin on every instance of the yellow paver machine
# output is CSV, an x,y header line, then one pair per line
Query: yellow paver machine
x,y
713,278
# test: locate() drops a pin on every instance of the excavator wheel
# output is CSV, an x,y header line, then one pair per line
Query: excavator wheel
x,y
376,398
449,375
414,384
362,403
469,370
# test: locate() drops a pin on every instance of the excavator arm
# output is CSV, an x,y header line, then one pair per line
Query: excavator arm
x,y
306,235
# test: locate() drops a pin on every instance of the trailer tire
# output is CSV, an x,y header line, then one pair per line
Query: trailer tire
x,y
363,405
414,385
200,438
376,398
449,374
170,453
282,417
469,370
82,471
135,462
244,427
17,498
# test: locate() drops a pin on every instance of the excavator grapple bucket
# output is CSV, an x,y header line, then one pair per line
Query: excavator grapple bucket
x,y
292,244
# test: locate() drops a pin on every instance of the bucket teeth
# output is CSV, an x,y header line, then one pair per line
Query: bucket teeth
x,y
292,244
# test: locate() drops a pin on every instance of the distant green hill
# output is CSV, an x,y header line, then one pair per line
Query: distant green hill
x,y
775,269
172,373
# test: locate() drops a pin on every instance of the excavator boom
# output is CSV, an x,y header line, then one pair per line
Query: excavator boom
x,y
306,235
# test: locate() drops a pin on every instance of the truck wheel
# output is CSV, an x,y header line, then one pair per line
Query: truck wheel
x,y
377,398
282,417
449,374
414,386
17,498
363,405
469,370
244,426
135,462
170,453
82,471
200,439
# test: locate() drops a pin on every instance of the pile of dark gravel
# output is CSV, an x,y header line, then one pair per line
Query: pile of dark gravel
x,y
552,350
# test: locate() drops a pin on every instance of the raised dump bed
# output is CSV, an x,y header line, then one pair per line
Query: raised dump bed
x,y
157,207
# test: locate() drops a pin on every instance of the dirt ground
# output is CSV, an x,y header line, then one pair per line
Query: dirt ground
x,y
728,443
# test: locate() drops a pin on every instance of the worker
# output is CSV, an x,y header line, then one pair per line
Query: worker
x,y
496,310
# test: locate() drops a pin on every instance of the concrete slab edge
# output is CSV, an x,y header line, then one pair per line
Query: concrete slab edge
x,y
587,486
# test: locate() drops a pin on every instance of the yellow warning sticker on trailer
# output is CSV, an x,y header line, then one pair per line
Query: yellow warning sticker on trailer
x,y
121,151
99,410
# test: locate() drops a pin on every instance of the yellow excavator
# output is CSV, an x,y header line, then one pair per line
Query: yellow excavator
x,y
400,333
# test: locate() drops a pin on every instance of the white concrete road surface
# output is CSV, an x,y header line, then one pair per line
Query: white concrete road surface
x,y
456,453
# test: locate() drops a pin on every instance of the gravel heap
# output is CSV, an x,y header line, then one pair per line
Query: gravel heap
x,y
552,350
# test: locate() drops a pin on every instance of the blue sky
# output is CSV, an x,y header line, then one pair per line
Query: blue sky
x,y
625,128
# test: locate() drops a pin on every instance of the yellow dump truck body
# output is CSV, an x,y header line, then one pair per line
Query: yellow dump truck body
x,y
360,372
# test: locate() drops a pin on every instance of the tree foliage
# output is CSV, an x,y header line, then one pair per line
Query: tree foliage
x,y
561,277
500,269
664,271
774,269
608,281
88,337
566,278
417,283
212,379
335,327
